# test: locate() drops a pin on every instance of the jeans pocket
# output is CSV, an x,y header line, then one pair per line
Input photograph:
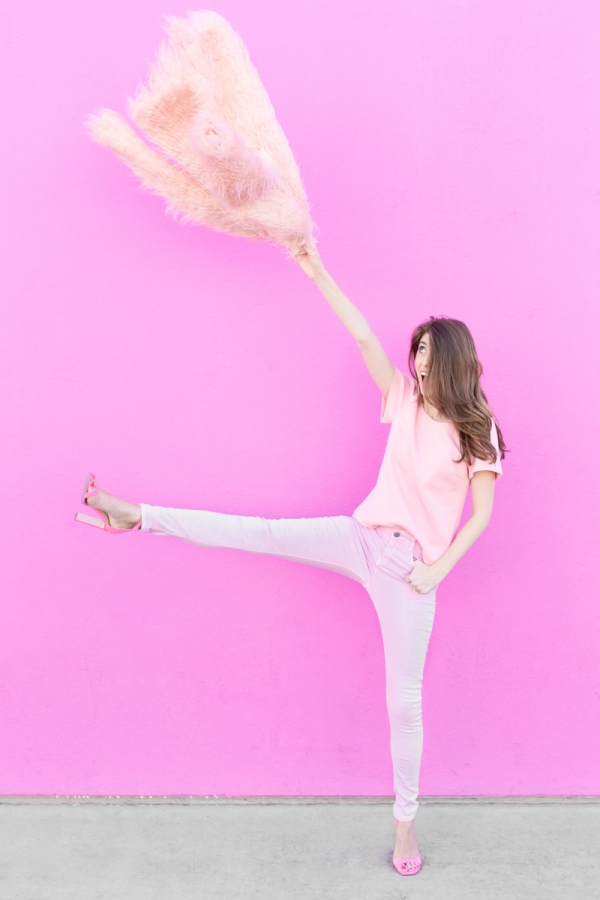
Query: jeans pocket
x,y
397,562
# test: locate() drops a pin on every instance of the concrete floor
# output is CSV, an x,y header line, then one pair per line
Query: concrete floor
x,y
235,850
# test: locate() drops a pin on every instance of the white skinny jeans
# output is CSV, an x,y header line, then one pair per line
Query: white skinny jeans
x,y
380,559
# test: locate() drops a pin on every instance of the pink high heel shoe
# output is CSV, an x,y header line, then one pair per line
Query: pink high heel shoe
x,y
401,865
90,489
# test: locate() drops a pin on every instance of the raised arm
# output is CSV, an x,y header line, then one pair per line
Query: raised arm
x,y
373,353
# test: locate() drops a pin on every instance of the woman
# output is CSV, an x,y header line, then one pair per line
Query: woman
x,y
402,540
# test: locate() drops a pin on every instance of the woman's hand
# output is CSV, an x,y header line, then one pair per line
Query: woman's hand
x,y
311,263
424,578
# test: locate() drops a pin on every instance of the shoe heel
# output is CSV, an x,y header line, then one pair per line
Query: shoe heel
x,y
89,520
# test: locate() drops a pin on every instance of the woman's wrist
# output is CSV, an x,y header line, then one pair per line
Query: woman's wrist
x,y
440,569
321,277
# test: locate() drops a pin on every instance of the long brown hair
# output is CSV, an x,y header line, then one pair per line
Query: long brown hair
x,y
453,385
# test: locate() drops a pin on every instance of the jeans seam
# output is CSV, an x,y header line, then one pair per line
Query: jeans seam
x,y
381,556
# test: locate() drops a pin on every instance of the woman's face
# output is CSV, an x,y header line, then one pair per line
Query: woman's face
x,y
422,360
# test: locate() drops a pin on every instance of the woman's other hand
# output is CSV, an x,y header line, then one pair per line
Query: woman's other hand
x,y
311,263
424,578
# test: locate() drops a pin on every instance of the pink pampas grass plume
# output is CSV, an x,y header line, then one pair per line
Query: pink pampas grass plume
x,y
235,174
219,156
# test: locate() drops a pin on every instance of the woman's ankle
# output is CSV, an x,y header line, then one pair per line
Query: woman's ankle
x,y
136,514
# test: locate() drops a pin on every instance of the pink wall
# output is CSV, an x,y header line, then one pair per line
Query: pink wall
x,y
452,154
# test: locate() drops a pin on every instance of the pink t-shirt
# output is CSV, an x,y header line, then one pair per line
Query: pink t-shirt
x,y
420,488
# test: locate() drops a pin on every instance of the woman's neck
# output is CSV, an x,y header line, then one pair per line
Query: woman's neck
x,y
432,412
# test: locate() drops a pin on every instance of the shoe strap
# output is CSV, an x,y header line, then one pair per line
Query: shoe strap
x,y
91,488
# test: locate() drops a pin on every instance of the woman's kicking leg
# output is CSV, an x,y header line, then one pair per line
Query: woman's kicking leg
x,y
338,543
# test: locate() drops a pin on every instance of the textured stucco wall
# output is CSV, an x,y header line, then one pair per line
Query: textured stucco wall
x,y
451,151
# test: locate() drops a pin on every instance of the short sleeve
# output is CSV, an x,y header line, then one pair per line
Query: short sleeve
x,y
401,392
482,465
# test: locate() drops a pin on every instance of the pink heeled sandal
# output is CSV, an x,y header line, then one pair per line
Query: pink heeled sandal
x,y
401,865
90,489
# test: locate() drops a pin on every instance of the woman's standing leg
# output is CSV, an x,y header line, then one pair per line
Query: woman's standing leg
x,y
406,620
406,623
